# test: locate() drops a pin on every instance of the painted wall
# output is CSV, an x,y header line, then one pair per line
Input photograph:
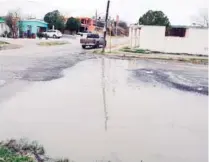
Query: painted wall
x,y
34,25
195,41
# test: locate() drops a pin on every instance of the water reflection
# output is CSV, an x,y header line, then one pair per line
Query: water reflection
x,y
104,93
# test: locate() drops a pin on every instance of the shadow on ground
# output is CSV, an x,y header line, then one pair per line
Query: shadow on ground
x,y
181,80
51,68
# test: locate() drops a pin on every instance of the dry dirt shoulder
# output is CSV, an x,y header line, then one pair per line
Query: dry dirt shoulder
x,y
160,56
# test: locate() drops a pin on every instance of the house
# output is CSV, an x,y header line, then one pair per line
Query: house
x,y
87,24
3,26
173,39
32,26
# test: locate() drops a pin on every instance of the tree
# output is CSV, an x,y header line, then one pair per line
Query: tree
x,y
12,20
202,18
55,19
154,18
73,24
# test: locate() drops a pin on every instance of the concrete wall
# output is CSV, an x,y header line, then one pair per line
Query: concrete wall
x,y
152,38
195,41
3,28
134,36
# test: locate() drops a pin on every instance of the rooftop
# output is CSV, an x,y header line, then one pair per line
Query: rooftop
x,y
37,20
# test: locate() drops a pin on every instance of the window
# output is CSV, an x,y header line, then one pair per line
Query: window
x,y
92,36
175,32
96,36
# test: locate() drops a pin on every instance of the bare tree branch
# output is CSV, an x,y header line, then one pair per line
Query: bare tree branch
x,y
12,19
202,18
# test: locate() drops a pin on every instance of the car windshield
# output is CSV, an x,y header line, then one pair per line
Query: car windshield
x,y
104,81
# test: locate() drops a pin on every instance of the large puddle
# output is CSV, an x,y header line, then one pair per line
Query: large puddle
x,y
114,110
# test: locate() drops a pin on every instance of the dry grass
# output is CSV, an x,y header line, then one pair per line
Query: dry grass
x,y
52,43
3,43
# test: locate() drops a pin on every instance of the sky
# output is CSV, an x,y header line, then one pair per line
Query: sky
x,y
179,12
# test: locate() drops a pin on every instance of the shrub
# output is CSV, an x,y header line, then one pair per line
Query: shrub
x,y
7,155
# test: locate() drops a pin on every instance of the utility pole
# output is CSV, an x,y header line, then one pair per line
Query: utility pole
x,y
116,30
105,27
96,21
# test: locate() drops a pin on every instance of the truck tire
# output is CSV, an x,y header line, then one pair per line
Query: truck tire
x,y
97,45
83,46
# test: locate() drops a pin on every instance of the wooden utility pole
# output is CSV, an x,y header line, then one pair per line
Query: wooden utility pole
x,y
105,26
96,21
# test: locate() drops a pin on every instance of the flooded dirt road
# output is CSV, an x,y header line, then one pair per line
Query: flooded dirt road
x,y
110,110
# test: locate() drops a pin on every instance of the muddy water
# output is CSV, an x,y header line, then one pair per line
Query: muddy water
x,y
114,110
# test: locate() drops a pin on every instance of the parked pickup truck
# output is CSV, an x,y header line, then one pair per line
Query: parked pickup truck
x,y
92,40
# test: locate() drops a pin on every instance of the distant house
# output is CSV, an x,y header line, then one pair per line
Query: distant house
x,y
173,39
87,24
3,26
32,26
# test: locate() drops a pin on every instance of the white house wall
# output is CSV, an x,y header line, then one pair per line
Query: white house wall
x,y
3,28
195,41
134,33
152,38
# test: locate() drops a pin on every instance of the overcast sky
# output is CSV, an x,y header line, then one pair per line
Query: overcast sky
x,y
179,12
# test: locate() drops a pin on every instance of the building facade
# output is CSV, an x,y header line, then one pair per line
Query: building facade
x,y
174,39
33,26
87,24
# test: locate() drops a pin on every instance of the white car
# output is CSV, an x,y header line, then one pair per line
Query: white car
x,y
53,33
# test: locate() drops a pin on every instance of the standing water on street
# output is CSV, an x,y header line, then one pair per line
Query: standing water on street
x,y
113,110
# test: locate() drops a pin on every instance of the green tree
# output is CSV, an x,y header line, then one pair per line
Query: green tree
x,y
73,24
154,18
55,19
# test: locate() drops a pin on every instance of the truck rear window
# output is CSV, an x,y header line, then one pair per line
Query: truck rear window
x,y
92,36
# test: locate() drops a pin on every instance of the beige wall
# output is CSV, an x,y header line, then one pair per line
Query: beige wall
x,y
153,38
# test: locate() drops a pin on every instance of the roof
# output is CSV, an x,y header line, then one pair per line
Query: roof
x,y
87,18
34,20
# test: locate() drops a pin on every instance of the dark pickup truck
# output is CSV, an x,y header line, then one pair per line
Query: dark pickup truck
x,y
92,40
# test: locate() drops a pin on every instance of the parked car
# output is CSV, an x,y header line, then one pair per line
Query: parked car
x,y
92,40
83,33
53,33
